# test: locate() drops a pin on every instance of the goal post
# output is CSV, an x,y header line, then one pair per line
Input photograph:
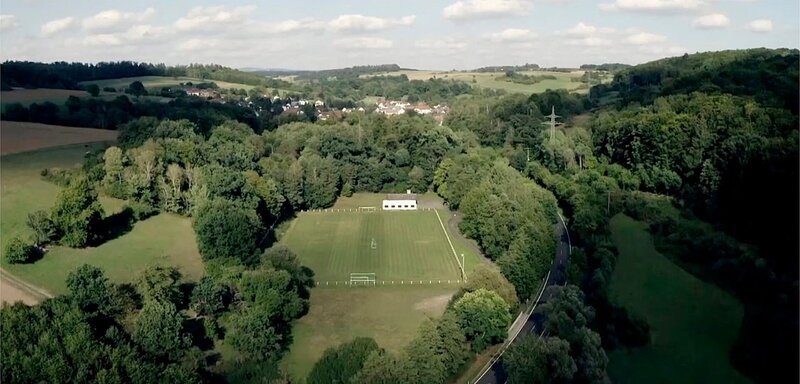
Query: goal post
x,y
362,278
367,209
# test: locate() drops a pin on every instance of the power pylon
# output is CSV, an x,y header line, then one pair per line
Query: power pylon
x,y
552,123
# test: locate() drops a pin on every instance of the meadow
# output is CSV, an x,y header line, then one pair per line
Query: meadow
x,y
150,82
390,315
166,238
489,79
693,324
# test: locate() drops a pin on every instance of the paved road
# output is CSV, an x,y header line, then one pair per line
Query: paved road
x,y
496,374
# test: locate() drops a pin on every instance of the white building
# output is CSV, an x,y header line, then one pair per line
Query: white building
x,y
400,202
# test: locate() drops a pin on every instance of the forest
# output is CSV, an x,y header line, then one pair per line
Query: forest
x,y
705,155
67,75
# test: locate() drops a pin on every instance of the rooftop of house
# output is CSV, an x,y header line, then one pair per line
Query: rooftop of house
x,y
401,196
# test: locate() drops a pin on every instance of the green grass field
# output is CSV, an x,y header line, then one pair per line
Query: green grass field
x,y
166,239
488,79
693,324
161,81
410,245
394,245
390,315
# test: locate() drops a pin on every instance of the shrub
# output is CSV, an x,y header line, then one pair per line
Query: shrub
x,y
18,251
140,211
58,176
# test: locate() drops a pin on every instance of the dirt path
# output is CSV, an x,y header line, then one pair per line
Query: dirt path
x,y
12,289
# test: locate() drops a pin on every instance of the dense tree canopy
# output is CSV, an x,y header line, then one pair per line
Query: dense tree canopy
x,y
484,316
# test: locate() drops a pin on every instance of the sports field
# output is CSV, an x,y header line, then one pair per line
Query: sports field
x,y
693,324
396,246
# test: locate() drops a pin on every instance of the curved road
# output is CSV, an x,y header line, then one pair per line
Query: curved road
x,y
496,373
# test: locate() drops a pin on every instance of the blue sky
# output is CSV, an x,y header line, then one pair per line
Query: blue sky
x,y
430,34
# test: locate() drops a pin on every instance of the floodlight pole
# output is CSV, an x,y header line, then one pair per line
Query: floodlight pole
x,y
463,267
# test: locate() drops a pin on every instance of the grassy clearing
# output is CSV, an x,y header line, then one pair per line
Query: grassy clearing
x,y
161,81
390,315
693,324
18,137
164,239
487,79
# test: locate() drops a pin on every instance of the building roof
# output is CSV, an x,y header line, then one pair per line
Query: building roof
x,y
401,196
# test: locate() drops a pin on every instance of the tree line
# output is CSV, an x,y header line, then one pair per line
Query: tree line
x,y
65,75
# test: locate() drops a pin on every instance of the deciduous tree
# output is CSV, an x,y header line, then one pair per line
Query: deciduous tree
x,y
484,316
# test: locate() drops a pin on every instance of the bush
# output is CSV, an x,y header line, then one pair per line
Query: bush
x,y
140,211
58,176
109,89
18,251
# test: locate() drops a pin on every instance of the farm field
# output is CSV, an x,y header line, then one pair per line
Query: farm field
x,y
28,96
487,79
18,137
693,324
394,245
390,315
164,238
161,81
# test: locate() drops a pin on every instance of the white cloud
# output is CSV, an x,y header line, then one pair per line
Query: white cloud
x,y
364,42
591,42
477,9
104,39
512,35
361,23
760,26
715,20
654,6
213,17
644,38
8,22
196,44
287,26
447,43
114,20
55,26
586,30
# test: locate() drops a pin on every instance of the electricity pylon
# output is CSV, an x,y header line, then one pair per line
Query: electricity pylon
x,y
552,123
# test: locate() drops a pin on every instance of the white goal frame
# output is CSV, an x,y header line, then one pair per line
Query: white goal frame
x,y
368,209
362,278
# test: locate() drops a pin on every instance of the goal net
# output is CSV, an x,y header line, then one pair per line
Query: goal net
x,y
367,209
362,278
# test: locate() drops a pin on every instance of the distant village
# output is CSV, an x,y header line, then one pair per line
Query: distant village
x,y
387,107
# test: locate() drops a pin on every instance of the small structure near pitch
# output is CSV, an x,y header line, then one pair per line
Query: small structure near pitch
x,y
400,202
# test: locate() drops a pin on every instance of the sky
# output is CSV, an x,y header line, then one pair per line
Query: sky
x,y
422,34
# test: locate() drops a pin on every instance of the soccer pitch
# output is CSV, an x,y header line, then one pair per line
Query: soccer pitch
x,y
396,246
